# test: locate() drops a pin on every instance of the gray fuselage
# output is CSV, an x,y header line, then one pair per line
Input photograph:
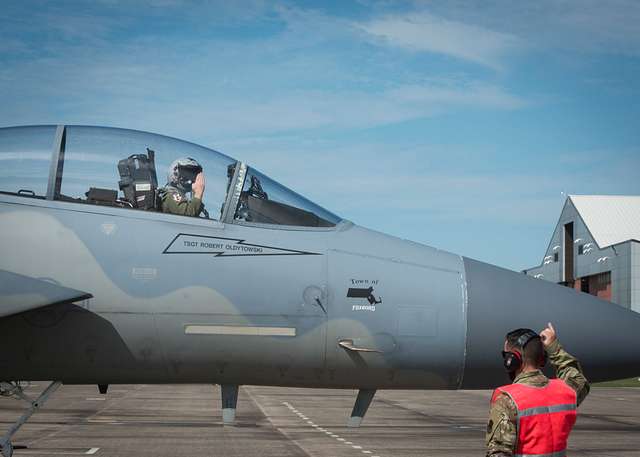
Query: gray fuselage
x,y
188,300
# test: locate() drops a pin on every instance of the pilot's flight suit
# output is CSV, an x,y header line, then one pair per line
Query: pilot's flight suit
x,y
502,432
175,201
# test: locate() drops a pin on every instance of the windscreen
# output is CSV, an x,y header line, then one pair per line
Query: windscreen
x,y
267,202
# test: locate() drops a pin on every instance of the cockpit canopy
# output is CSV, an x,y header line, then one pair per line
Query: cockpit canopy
x,y
125,168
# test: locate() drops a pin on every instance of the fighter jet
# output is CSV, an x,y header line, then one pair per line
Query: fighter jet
x,y
99,286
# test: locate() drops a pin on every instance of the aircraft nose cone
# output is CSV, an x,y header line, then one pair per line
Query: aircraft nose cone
x,y
604,336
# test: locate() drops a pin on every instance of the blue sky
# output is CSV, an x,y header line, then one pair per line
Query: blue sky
x,y
456,124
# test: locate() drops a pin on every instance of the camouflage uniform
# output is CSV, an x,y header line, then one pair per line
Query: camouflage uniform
x,y
176,202
501,429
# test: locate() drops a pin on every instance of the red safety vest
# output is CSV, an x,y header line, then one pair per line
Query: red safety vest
x,y
545,417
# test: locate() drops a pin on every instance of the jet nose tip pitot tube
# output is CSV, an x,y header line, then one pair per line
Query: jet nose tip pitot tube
x,y
605,337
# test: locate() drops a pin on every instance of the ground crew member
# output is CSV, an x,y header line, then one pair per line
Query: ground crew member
x,y
534,415
184,176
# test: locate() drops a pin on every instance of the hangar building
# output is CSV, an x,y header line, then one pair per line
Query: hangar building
x,y
595,248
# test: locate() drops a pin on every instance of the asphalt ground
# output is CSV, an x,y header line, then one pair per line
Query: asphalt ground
x,y
185,420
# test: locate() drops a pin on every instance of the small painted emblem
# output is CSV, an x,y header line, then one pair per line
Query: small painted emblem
x,y
364,293
108,228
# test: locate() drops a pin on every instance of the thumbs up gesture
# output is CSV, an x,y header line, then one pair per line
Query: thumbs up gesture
x,y
548,335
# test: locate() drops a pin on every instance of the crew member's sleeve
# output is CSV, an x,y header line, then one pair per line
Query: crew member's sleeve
x,y
501,429
174,203
568,369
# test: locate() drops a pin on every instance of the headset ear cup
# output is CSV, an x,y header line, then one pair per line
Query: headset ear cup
x,y
512,360
518,360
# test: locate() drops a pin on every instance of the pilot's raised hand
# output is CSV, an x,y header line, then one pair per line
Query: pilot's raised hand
x,y
548,335
198,186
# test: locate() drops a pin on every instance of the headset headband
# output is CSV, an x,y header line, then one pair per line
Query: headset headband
x,y
525,338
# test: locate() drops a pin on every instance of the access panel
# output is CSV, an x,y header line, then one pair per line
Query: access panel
x,y
400,324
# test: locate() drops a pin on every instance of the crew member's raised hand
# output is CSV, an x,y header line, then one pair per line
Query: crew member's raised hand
x,y
198,186
548,335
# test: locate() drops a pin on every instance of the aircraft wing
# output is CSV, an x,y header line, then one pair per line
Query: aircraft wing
x,y
19,293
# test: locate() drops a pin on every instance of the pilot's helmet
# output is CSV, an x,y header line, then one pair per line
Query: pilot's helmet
x,y
182,173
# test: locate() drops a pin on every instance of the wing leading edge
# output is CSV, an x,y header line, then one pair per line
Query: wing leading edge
x,y
19,293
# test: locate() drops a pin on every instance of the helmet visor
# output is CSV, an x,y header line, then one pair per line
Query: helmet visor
x,y
188,173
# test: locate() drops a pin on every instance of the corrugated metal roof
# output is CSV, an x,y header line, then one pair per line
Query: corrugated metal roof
x,y
611,219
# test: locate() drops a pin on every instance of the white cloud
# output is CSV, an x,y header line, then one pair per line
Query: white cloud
x,y
306,73
608,27
421,31
141,89
355,109
591,26
455,92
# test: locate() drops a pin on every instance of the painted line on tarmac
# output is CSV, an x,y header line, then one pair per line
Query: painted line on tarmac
x,y
49,451
325,431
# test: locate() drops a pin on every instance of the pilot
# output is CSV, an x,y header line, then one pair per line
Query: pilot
x,y
534,415
184,177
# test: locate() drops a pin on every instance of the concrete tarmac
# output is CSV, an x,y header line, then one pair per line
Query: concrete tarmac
x,y
185,420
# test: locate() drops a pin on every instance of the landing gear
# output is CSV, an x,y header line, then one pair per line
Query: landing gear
x,y
229,402
15,390
365,396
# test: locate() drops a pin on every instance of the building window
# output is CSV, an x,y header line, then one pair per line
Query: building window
x,y
603,280
581,249
598,285
555,256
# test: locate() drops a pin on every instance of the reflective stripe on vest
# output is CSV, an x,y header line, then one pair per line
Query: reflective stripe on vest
x,y
546,409
545,417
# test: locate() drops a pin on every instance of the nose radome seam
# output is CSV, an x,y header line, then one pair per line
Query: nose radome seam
x,y
465,313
